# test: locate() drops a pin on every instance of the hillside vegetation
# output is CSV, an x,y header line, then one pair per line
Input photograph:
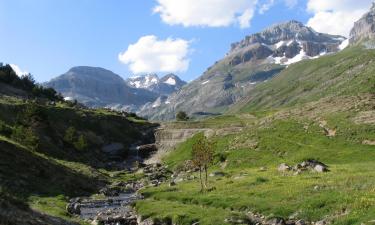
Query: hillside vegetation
x,y
346,73
321,109
51,150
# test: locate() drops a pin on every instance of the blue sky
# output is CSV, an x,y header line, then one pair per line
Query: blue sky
x,y
47,37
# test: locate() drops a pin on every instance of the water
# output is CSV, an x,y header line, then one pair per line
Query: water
x,y
111,206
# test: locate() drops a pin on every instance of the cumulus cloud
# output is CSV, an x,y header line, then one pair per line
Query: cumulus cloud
x,y
210,13
18,70
149,54
336,16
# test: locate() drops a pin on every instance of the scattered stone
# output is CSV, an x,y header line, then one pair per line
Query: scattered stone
x,y
312,165
276,221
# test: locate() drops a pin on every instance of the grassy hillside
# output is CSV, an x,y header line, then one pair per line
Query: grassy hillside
x,y
51,150
286,120
346,73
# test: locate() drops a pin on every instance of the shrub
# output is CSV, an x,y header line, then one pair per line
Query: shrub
x,y
25,136
81,143
181,116
70,134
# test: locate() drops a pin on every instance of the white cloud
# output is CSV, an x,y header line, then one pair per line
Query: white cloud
x,y
150,55
291,3
210,13
266,5
336,16
18,70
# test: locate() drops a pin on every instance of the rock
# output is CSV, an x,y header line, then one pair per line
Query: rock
x,y
300,222
172,183
283,167
74,206
276,221
217,174
146,150
364,28
147,222
320,168
262,169
108,191
322,222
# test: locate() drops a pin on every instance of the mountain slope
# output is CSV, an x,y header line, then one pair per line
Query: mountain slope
x,y
255,59
347,73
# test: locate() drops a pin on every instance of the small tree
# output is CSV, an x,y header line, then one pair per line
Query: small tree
x,y
181,116
202,157
70,134
81,143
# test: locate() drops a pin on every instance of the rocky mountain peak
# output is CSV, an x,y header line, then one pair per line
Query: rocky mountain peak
x,y
284,43
364,28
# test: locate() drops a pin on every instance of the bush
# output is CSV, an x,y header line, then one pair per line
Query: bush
x,y
181,116
81,143
25,136
70,134
78,142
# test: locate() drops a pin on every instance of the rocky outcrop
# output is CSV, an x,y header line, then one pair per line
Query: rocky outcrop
x,y
166,139
364,28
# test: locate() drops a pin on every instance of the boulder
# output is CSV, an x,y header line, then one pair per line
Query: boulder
x,y
283,167
74,206
320,168
146,150
217,174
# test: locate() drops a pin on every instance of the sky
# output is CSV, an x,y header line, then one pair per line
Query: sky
x,y
134,37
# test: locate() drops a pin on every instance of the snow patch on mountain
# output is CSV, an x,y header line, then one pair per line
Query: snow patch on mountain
x,y
170,81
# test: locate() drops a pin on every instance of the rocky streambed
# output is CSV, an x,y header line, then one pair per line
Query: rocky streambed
x,y
114,206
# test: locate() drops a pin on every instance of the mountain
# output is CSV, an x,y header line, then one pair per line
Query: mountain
x,y
162,86
253,60
98,87
364,28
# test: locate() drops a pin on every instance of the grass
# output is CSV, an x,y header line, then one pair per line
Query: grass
x,y
346,73
346,194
